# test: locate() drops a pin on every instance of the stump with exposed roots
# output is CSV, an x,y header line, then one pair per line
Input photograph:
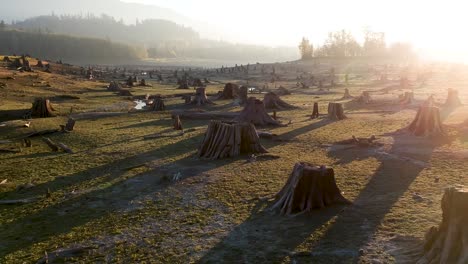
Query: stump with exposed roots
x,y
157,105
114,86
42,108
223,140
200,97
364,98
427,122
230,91
347,95
315,111
407,98
448,243
452,99
273,101
335,111
254,112
308,187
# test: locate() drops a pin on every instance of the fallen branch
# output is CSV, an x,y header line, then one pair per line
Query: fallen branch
x,y
18,201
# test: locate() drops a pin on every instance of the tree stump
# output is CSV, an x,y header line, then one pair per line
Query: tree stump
x,y
315,112
198,83
243,94
142,82
187,98
68,127
39,63
230,91
183,84
200,97
177,123
448,243
273,101
364,98
254,112
158,104
335,111
114,86
427,122
223,140
452,99
125,93
129,81
283,91
407,98
347,95
308,187
42,108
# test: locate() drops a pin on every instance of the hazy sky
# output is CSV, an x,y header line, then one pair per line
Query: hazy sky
x,y
434,27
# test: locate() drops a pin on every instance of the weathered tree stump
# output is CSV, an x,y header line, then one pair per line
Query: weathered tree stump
x,y
448,243
39,63
177,123
427,122
308,187
223,140
335,111
158,104
364,98
129,81
114,86
407,98
347,95
198,83
142,82
273,101
68,127
230,91
42,108
183,84
315,111
254,112
243,94
452,99
200,97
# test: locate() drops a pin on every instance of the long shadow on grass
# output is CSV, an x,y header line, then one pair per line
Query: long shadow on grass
x,y
82,207
266,237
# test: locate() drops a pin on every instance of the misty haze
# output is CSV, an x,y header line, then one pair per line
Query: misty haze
x,y
182,131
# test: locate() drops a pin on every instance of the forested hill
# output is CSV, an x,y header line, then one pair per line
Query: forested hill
x,y
66,48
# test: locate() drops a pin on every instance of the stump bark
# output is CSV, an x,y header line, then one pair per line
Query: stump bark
x,y
177,123
69,126
315,111
452,99
427,122
347,95
273,101
308,187
230,91
200,97
158,104
335,111
254,112
42,108
223,140
448,243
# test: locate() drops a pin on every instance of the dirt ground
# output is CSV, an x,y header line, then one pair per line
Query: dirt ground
x,y
123,198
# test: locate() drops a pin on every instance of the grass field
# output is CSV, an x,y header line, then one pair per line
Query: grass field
x,y
114,198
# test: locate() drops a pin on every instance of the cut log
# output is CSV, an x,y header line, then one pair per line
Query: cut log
x,y
427,122
42,108
448,243
177,123
64,147
254,112
308,187
223,140
158,104
230,91
407,98
335,111
273,101
452,99
347,95
52,145
200,97
315,111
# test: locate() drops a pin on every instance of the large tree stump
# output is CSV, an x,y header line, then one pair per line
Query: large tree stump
x,y
42,108
309,187
254,112
224,140
452,99
177,123
427,122
315,111
200,97
157,105
347,95
230,91
273,101
448,243
407,98
335,111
